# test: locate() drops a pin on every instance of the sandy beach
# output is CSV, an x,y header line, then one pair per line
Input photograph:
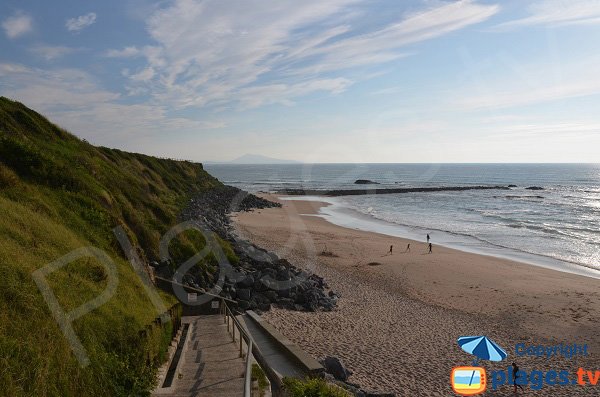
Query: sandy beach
x,y
399,315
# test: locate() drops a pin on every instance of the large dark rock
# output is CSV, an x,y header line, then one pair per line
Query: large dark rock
x,y
334,366
247,282
365,182
286,303
271,295
243,304
534,188
243,293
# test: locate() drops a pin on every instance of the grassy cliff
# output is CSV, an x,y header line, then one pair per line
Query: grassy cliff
x,y
59,193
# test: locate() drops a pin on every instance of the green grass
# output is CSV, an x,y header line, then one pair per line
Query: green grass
x,y
314,387
260,377
59,193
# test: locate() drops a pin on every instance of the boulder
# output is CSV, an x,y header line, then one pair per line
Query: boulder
x,y
534,188
246,282
243,293
334,366
243,304
271,296
286,303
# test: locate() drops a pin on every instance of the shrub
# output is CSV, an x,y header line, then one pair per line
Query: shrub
x,y
312,387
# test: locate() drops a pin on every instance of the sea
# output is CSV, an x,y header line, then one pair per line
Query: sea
x,y
557,227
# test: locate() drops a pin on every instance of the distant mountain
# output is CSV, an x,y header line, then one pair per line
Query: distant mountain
x,y
254,159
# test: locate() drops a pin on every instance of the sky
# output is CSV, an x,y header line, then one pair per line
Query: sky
x,y
313,81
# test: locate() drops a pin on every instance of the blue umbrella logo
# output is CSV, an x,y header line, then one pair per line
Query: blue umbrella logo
x,y
482,347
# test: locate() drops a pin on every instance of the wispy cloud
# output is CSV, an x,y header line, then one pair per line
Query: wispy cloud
x,y
215,53
127,52
51,53
81,22
17,25
558,13
520,96
75,100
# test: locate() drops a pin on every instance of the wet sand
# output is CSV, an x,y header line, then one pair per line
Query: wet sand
x,y
399,315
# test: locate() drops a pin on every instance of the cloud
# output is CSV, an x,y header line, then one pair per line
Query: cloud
x,y
558,13
81,22
73,99
17,25
127,52
51,53
214,53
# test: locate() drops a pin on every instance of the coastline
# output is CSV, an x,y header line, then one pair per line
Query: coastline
x,y
437,297
342,216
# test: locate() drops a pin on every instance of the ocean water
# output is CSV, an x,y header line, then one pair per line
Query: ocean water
x,y
556,227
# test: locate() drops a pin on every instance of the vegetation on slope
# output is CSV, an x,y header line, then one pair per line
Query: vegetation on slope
x,y
59,193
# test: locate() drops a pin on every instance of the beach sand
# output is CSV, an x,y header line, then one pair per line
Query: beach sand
x,y
399,315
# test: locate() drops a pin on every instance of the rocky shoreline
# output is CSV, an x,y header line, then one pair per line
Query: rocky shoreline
x,y
260,278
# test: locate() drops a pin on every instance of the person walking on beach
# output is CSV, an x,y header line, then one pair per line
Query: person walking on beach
x,y
407,248
391,248
515,370
430,248
427,238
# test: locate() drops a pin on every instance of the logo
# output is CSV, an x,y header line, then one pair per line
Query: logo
x,y
472,380
468,381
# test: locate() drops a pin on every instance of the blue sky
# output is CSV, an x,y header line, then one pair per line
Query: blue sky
x,y
314,81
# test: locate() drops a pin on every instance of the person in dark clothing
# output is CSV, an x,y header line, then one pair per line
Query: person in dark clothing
x,y
427,238
391,248
515,370
407,248
430,248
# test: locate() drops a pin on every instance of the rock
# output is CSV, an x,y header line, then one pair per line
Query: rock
x,y
265,307
512,185
286,303
247,282
260,298
243,304
271,295
256,279
334,366
243,293
365,182
253,304
259,286
534,188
